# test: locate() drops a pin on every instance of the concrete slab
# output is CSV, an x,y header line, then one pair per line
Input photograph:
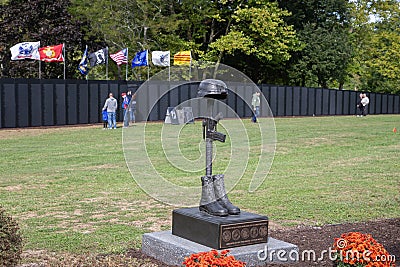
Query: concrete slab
x,y
172,250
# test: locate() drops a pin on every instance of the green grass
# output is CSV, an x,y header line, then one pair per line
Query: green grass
x,y
71,191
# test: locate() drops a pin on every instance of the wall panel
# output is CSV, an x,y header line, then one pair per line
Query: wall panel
x,y
34,102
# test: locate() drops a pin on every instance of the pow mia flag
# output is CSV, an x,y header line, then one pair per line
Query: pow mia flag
x,y
98,57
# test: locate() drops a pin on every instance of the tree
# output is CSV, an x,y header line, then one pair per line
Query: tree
x,y
241,33
323,28
40,20
212,30
376,38
382,67
135,24
258,30
324,58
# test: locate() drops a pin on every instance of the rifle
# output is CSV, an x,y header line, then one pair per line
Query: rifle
x,y
210,128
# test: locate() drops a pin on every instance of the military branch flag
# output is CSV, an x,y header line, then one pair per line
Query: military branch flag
x,y
140,59
98,57
83,65
183,58
121,57
25,50
161,58
52,53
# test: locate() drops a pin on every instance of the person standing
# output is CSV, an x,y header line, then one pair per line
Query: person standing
x,y
111,106
360,107
105,119
255,103
364,103
132,105
125,105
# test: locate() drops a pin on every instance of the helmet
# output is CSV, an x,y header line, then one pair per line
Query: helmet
x,y
213,89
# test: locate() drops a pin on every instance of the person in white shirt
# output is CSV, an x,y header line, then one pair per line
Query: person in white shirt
x,y
359,106
364,103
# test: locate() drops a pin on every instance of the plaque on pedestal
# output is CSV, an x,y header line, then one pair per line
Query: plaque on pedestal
x,y
220,232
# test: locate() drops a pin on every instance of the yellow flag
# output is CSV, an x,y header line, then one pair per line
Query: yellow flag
x,y
182,58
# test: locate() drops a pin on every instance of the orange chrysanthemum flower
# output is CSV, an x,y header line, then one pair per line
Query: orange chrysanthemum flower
x,y
357,249
212,259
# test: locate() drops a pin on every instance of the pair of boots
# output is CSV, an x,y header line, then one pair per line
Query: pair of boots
x,y
214,199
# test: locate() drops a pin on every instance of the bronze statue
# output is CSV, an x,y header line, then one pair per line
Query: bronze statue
x,y
214,199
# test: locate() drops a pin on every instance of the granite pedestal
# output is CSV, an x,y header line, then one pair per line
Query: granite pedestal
x,y
172,250
245,235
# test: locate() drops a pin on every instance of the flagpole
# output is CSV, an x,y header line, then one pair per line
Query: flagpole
x,y
107,64
190,66
64,58
126,67
40,63
169,66
148,67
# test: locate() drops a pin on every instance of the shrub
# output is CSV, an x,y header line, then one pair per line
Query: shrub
x,y
10,240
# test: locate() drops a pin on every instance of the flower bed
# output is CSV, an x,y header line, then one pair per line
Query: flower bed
x,y
212,259
361,250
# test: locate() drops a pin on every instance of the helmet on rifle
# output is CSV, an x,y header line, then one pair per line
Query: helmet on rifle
x,y
213,89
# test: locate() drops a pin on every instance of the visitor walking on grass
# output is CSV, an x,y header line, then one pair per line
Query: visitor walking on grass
x,y
255,103
364,103
111,106
359,106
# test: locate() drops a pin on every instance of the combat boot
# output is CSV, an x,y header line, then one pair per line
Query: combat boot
x,y
221,196
208,202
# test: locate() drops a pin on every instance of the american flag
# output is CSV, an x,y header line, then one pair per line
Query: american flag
x,y
121,57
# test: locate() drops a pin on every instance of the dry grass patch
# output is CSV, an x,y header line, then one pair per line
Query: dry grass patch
x,y
12,133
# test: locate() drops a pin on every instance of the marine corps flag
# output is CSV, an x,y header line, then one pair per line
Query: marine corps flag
x,y
183,58
52,53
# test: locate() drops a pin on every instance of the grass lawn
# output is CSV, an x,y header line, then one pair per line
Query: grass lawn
x,y
70,188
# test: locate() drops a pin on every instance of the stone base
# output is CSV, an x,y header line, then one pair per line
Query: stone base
x,y
172,250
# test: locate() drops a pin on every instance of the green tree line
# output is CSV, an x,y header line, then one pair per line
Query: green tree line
x,y
343,44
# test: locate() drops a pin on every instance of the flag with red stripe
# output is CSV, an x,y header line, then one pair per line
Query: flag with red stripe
x,y
182,58
121,57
